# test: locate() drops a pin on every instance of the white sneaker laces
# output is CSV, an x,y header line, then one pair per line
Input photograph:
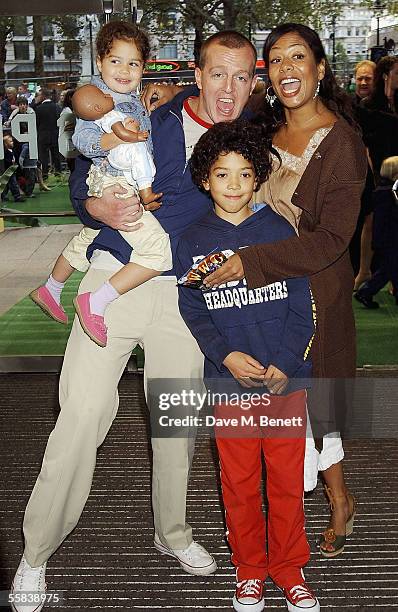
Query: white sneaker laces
x,y
250,587
300,592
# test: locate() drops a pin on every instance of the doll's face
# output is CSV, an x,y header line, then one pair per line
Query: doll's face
x,y
90,103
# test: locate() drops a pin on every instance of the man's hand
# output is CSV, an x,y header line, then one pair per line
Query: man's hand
x,y
247,370
275,380
231,270
154,95
114,211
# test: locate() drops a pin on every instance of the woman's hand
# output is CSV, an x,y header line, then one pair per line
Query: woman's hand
x,y
154,96
231,270
247,370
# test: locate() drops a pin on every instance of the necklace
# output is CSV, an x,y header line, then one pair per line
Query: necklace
x,y
286,148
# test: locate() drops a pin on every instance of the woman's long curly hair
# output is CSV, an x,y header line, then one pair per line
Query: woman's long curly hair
x,y
378,99
333,97
239,136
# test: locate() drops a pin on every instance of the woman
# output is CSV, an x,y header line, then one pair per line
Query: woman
x,y
67,124
384,96
317,188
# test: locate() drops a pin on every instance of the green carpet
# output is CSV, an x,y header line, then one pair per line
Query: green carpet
x,y
26,330
377,332
56,200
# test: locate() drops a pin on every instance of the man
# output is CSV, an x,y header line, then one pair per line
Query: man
x,y
22,108
364,79
24,91
148,315
9,103
47,114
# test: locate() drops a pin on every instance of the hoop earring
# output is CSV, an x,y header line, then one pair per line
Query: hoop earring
x,y
317,90
271,98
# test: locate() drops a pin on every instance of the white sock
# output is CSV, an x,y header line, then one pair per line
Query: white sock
x,y
55,288
100,299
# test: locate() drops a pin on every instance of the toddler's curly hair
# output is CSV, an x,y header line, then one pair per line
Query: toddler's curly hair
x,y
239,136
122,30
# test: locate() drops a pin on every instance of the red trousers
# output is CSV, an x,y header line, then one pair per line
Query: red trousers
x,y
241,477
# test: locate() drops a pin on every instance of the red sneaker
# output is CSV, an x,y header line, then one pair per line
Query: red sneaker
x,y
92,324
43,298
249,596
300,597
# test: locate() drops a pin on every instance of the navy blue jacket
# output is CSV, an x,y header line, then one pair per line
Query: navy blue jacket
x,y
273,324
182,202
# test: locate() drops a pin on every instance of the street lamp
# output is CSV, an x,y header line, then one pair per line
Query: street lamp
x,y
333,37
378,8
90,19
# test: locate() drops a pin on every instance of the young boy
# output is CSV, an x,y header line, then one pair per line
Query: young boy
x,y
122,50
9,160
250,339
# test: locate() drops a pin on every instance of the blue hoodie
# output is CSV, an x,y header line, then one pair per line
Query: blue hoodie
x,y
273,324
182,203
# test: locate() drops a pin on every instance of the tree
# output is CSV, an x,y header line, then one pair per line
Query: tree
x,y
242,15
6,27
38,45
69,30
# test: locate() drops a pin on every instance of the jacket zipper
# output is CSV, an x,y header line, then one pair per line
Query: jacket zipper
x,y
186,161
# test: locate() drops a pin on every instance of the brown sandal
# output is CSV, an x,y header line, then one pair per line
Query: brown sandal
x,y
329,536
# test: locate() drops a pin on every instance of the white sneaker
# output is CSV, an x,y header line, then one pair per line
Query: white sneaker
x,y
27,587
195,559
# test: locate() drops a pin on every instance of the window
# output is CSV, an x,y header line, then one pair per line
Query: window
x,y
20,27
48,29
349,31
356,31
259,48
168,21
167,50
48,50
21,50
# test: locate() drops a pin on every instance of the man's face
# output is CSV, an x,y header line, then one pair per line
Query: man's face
x,y
225,82
22,107
364,77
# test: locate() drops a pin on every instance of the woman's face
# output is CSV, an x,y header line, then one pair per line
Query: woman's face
x,y
293,71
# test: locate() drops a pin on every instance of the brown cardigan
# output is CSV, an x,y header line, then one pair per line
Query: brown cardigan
x,y
329,194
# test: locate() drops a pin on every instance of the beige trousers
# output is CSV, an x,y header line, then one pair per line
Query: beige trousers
x,y
89,401
151,244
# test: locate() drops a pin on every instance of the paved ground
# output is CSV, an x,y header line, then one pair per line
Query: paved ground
x,y
26,258
108,562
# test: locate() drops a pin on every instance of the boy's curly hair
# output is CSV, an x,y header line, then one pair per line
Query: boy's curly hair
x,y
122,30
239,136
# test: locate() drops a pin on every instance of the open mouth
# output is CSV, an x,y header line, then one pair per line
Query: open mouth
x,y
225,105
290,86
123,81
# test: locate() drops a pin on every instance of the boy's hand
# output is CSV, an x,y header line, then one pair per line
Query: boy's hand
x,y
231,270
275,380
114,211
245,368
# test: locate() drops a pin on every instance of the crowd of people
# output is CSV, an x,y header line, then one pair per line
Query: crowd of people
x,y
47,108
273,192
